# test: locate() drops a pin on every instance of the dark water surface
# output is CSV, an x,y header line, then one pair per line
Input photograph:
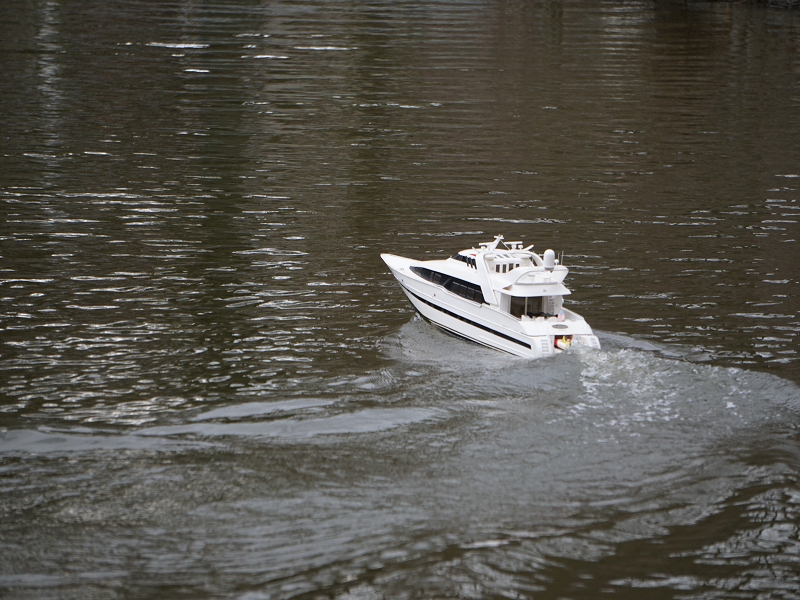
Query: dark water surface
x,y
211,387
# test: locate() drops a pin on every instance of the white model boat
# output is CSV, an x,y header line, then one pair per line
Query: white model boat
x,y
500,295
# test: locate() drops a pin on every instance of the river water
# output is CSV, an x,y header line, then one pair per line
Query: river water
x,y
211,387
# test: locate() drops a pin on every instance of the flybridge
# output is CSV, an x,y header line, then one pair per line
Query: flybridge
x,y
515,269
501,294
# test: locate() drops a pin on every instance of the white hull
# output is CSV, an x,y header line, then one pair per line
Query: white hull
x,y
487,324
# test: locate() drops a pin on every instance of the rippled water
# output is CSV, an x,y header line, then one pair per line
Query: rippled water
x,y
210,386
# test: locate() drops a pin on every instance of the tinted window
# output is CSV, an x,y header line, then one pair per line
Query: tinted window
x,y
468,260
462,288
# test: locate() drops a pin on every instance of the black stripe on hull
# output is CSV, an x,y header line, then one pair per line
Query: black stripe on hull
x,y
453,333
468,321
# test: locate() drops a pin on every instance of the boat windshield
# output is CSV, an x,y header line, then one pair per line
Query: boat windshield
x,y
470,261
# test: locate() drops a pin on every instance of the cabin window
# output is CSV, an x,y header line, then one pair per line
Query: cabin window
x,y
462,288
428,275
531,307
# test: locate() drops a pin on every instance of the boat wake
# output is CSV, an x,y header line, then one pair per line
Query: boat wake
x,y
452,465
